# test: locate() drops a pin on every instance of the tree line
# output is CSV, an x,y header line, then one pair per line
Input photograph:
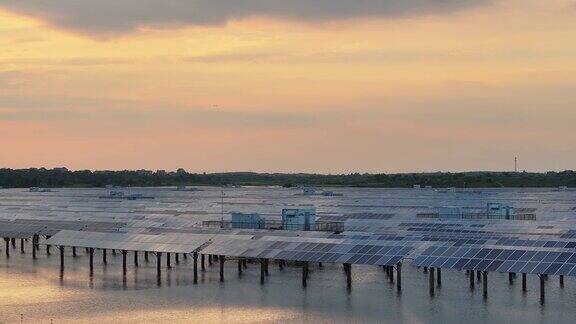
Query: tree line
x,y
61,177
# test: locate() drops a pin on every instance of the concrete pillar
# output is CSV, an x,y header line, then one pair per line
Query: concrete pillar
x,y
439,277
431,280
135,258
542,289
124,256
304,273
222,259
561,281
399,276
523,282
21,245
195,256
177,258
485,284
158,263
239,266
104,256
61,258
202,265
471,276
168,261
391,277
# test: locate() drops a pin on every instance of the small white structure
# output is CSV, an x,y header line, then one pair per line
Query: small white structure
x,y
299,219
416,186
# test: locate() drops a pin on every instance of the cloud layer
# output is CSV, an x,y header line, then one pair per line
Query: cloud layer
x,y
119,16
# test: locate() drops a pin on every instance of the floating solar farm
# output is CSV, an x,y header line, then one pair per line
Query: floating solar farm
x,y
375,227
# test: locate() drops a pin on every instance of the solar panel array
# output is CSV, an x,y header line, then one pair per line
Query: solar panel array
x,y
533,261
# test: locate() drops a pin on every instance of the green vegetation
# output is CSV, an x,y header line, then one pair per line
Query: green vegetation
x,y
62,177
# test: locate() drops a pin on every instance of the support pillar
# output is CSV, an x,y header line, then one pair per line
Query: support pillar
x,y
209,259
47,246
523,282
266,267
471,276
91,260
391,277
195,256
431,280
281,264
399,276
485,283
7,240
21,245
177,258
239,266
146,256
104,256
542,289
135,258
34,247
478,275
348,272
510,278
13,243
262,271
74,251
222,259
124,256
202,265
168,261
304,274
158,263
61,258
561,281
439,277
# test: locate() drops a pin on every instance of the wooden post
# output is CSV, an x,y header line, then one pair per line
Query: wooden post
x,y
485,283
399,276
523,282
222,259
195,256
439,277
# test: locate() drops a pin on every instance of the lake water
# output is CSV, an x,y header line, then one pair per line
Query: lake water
x,y
35,291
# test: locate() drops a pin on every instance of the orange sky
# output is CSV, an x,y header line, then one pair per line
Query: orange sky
x,y
465,89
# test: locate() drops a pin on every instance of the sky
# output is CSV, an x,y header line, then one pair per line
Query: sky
x,y
328,86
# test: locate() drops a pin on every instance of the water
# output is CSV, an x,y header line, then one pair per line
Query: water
x,y
36,291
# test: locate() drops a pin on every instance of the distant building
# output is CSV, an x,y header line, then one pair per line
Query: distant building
x,y
303,219
416,186
251,221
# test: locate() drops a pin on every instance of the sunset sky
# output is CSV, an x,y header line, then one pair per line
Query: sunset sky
x,y
325,86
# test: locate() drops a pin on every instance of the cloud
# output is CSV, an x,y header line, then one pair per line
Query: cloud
x,y
120,16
